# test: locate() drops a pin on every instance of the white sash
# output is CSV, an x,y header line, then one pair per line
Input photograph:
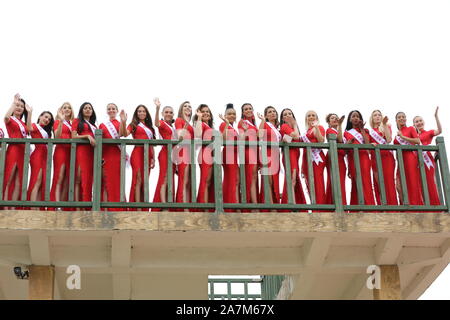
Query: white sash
x,y
249,123
68,125
314,151
113,132
427,160
402,141
278,134
147,130
358,136
334,130
44,133
22,128
2,135
174,132
93,128
377,137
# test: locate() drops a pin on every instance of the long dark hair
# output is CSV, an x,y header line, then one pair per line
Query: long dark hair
x,y
252,119
281,115
81,120
349,122
147,121
200,107
48,128
24,113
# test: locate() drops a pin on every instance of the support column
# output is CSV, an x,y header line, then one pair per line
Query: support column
x,y
389,284
41,282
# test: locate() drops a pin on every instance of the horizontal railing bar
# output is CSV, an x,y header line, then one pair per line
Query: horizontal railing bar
x,y
279,206
43,141
62,204
387,147
234,280
394,208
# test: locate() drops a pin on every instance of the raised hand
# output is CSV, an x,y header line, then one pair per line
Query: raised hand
x,y
157,102
261,117
341,120
123,116
17,99
199,115
244,125
28,108
221,117
315,123
385,120
60,115
186,124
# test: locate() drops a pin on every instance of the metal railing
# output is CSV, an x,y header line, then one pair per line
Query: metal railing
x,y
270,286
442,175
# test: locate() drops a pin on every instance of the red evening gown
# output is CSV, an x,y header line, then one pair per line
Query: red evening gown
x,y
319,165
342,172
412,172
167,132
388,165
272,134
230,164
183,160
294,156
205,160
85,162
426,137
61,157
251,156
365,163
111,166
137,161
38,163
14,156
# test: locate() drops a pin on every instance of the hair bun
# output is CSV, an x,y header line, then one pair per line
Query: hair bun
x,y
229,106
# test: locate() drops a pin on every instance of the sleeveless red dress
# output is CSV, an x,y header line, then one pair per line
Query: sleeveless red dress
x,y
251,156
61,157
294,155
111,166
273,165
38,163
412,172
205,160
366,178
85,161
388,165
230,168
342,172
426,137
14,158
137,161
183,157
318,168
166,132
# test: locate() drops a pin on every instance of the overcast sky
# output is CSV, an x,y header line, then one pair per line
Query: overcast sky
x,y
329,56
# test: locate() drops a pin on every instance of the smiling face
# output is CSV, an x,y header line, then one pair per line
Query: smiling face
x,y
247,111
87,111
400,118
419,123
230,115
355,118
67,110
111,110
206,114
311,116
271,114
44,119
333,120
167,114
187,110
20,108
141,114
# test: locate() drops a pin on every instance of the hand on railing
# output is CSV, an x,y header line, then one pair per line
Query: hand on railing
x,y
91,141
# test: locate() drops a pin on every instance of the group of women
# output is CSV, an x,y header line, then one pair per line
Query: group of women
x,y
273,127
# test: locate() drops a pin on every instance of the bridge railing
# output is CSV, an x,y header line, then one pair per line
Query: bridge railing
x,y
441,170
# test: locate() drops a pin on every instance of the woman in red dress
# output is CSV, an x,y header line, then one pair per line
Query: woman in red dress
x,y
167,132
61,157
141,127
290,133
268,131
381,133
335,127
185,132
203,130
426,137
16,128
38,159
231,184
408,136
249,131
355,133
315,133
111,158
83,127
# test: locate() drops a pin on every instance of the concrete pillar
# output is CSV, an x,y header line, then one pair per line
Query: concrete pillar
x,y
41,282
389,284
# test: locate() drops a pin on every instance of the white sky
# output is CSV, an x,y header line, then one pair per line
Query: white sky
x,y
330,56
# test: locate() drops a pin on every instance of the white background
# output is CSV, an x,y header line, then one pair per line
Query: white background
x,y
329,56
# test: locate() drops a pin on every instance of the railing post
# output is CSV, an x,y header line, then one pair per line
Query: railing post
x,y
49,170
217,167
26,164
335,179
97,170
2,167
445,172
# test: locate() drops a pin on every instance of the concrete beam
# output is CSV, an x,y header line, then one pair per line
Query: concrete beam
x,y
41,282
390,284
120,258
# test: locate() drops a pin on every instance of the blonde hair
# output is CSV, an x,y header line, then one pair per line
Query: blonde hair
x,y
71,108
306,118
371,122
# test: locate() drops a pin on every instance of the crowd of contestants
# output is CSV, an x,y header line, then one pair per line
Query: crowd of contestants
x,y
187,125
